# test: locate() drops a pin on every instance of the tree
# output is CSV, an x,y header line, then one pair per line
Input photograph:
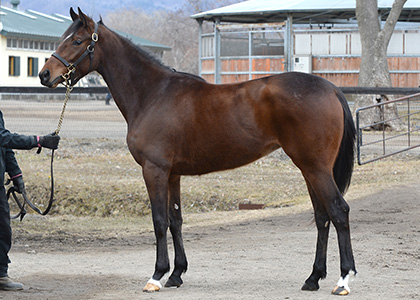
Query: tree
x,y
374,65
171,28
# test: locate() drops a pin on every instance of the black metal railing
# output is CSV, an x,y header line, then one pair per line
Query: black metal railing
x,y
376,140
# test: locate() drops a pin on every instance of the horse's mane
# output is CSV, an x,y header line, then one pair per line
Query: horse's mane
x,y
150,56
137,48
190,75
72,29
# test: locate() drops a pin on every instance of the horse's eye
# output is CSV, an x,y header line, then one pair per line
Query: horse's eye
x,y
77,42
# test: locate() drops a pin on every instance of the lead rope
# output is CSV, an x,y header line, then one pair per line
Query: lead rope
x,y
12,190
69,88
68,91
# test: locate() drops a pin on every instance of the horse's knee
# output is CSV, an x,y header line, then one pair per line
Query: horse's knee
x,y
161,227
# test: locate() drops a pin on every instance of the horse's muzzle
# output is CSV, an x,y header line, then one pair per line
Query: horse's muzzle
x,y
45,77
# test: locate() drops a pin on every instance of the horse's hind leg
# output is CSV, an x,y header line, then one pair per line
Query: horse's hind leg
x,y
322,221
327,195
175,226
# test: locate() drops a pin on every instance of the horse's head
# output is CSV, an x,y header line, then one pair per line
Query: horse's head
x,y
74,57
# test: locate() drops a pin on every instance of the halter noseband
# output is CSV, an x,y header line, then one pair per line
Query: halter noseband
x,y
71,67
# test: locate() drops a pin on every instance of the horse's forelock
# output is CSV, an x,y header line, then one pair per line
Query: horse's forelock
x,y
71,30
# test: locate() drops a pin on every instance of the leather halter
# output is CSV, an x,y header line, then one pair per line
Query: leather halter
x,y
71,67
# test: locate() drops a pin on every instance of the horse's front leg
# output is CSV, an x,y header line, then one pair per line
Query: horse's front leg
x,y
157,186
175,226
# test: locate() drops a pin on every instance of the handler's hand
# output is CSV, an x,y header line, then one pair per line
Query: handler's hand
x,y
18,184
49,141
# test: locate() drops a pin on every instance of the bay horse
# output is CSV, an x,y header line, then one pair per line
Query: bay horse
x,y
178,124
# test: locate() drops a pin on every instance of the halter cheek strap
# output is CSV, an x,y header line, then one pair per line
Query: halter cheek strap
x,y
71,67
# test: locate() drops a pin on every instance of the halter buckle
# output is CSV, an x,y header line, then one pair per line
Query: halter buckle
x,y
95,37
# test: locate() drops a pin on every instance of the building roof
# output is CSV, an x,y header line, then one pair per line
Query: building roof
x,y
37,25
303,11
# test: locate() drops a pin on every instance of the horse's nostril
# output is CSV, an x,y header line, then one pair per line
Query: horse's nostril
x,y
44,76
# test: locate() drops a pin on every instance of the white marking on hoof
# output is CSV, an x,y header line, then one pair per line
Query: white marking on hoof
x,y
152,286
342,287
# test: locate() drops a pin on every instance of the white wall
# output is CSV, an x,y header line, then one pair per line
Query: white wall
x,y
348,43
23,79
412,43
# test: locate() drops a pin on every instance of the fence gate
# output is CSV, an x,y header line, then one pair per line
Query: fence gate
x,y
374,138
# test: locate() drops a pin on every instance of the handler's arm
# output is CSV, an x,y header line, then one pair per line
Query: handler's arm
x,y
14,140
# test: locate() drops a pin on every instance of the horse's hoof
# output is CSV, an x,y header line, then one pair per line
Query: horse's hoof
x,y
340,290
309,287
152,286
173,282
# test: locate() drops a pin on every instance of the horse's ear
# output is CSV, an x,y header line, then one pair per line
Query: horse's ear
x,y
73,15
83,17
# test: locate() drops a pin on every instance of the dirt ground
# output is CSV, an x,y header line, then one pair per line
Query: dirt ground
x,y
268,255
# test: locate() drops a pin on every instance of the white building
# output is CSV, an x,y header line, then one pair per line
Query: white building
x,y
27,39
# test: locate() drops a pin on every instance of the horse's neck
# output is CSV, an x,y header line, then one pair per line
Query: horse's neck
x,y
130,76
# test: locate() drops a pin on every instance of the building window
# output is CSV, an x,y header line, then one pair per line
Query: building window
x,y
32,66
14,66
13,43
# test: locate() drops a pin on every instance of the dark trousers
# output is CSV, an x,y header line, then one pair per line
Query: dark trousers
x,y
5,232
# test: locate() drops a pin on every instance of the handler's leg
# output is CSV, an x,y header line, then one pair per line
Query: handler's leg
x,y
6,284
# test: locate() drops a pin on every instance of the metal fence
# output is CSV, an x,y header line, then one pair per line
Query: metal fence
x,y
374,139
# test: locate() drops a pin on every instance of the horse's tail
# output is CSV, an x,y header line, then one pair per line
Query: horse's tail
x,y
344,163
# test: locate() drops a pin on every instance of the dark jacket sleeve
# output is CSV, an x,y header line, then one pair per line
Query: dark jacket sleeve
x,y
13,140
12,167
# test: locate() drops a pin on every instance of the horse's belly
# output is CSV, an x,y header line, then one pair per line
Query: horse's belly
x,y
224,159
